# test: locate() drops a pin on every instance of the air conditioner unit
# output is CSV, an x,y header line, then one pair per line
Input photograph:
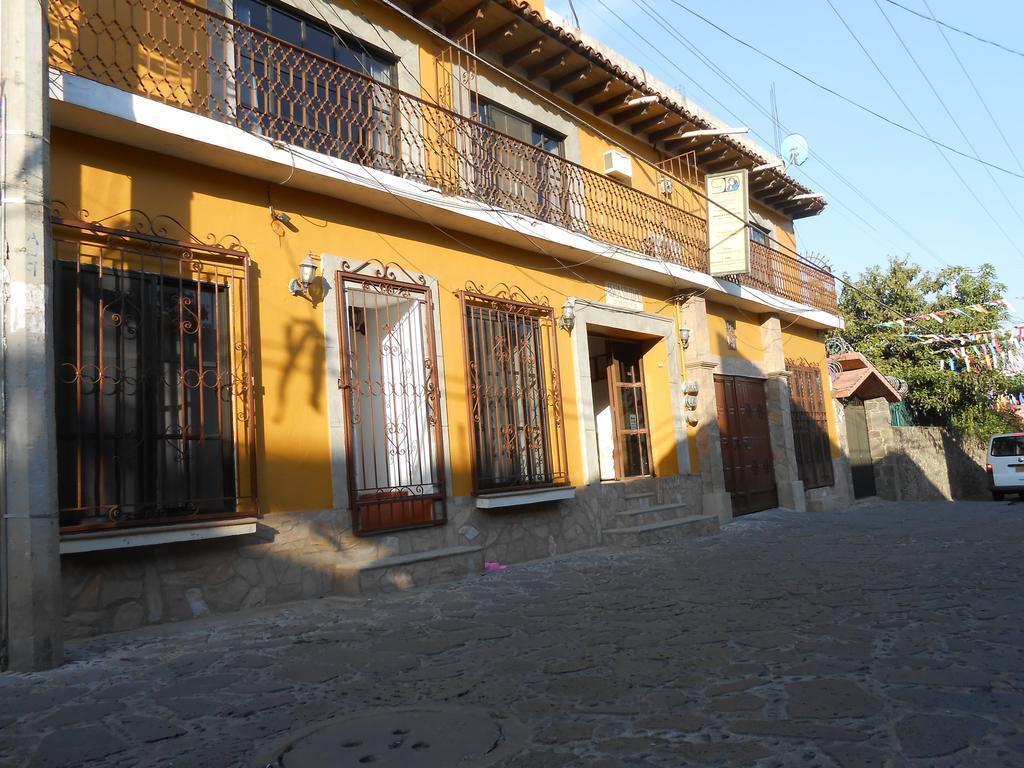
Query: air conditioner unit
x,y
618,165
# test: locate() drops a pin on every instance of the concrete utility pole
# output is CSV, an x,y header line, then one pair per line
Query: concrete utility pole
x,y
31,608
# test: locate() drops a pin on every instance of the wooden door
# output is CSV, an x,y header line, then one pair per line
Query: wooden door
x,y
746,444
629,410
862,467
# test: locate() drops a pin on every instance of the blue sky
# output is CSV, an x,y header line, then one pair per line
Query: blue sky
x,y
903,176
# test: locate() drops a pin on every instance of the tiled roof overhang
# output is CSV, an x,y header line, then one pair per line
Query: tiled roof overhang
x,y
860,379
515,35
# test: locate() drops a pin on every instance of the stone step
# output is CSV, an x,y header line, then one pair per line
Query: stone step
x,y
667,532
654,514
639,500
401,572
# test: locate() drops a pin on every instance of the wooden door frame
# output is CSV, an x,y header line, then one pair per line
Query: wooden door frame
x,y
614,388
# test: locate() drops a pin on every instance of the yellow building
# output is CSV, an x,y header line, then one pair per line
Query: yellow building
x,y
354,295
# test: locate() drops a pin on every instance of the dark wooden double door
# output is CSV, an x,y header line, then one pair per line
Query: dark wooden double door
x,y
746,444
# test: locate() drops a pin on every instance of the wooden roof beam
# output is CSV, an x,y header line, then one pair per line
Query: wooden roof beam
x,y
558,83
632,113
512,58
458,26
591,91
420,9
725,165
547,65
713,157
503,31
613,103
644,126
667,132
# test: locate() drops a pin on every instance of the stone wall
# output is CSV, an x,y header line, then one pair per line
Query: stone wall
x,y
304,555
923,463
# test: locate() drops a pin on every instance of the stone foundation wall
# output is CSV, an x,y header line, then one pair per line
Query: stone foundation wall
x,y
299,555
924,463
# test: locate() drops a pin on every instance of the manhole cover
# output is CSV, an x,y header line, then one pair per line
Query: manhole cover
x,y
397,738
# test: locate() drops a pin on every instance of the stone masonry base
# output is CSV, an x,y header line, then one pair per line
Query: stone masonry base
x,y
310,554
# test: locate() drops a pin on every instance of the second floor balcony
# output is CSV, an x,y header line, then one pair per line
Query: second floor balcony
x,y
195,59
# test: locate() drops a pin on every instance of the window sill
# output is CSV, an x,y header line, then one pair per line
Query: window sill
x,y
163,534
522,498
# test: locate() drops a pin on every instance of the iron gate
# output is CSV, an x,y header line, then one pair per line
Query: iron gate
x,y
810,425
395,462
862,467
154,376
746,444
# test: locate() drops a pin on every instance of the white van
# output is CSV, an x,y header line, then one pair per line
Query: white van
x,y
1006,464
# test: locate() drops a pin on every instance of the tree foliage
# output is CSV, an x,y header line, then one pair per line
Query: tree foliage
x,y
938,397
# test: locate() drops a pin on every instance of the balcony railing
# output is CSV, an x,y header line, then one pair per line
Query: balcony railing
x,y
192,58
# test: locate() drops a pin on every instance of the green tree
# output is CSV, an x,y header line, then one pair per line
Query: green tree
x,y
938,397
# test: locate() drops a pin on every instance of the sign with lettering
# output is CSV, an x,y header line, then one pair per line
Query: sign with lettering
x,y
728,214
619,295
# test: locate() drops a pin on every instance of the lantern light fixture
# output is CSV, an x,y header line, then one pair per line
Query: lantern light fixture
x,y
684,337
568,319
307,274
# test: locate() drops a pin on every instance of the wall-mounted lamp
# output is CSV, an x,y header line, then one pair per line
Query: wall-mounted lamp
x,y
691,387
684,337
307,274
568,319
693,419
691,402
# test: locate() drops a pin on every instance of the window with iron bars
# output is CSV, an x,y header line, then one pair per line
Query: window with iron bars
x,y
810,425
153,388
514,394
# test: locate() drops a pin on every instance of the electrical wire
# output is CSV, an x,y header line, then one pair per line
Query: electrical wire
x,y
842,97
668,27
947,110
899,96
697,191
980,39
977,92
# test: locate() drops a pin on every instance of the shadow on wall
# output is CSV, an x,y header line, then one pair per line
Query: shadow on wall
x,y
931,464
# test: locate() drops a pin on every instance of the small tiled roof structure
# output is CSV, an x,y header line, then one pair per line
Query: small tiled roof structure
x,y
860,379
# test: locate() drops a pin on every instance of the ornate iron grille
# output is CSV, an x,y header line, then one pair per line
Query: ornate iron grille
x,y
810,425
395,461
515,397
192,58
154,377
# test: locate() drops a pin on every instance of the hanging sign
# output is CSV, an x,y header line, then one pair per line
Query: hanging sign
x,y
728,214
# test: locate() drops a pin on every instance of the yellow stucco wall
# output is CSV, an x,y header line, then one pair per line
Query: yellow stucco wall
x,y
804,344
749,344
105,179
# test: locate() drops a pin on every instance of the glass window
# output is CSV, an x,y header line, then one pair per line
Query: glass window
x,y
508,391
760,235
1010,445
303,101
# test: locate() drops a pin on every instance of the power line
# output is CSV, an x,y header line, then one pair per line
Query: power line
x,y
917,120
697,191
931,17
977,92
844,98
667,25
948,111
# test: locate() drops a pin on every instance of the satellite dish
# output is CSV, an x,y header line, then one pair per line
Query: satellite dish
x,y
794,149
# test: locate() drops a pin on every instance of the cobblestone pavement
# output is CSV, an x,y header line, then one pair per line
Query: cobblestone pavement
x,y
886,635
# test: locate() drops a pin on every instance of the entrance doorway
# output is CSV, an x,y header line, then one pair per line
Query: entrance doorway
x,y
620,408
393,430
746,444
862,468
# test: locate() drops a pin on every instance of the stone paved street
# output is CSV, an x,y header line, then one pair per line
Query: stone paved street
x,y
886,635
